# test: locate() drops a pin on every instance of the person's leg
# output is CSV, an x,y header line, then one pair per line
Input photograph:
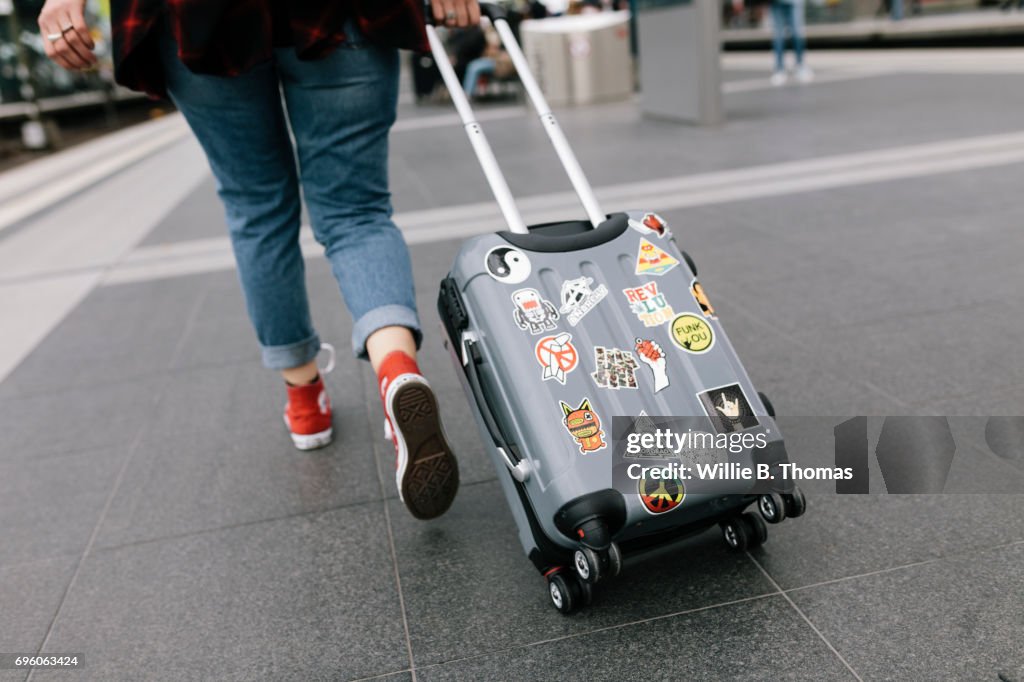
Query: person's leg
x,y
341,109
240,124
779,35
474,70
796,29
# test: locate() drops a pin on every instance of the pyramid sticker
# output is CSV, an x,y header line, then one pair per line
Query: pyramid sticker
x,y
650,260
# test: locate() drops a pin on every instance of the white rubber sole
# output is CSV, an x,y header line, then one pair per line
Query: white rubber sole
x,y
310,441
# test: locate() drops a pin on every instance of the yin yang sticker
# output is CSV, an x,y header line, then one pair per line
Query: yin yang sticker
x,y
507,265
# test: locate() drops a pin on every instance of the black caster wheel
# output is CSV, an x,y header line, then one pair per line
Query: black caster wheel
x,y
772,507
586,593
757,532
566,594
796,503
614,560
736,534
767,404
690,264
587,565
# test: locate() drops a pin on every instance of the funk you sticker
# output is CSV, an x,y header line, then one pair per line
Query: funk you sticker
x,y
728,408
578,298
652,355
691,333
648,304
702,299
615,368
533,313
661,495
653,260
557,356
584,426
507,265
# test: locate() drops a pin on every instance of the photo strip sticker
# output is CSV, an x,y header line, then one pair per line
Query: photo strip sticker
x,y
692,334
507,265
653,260
584,426
533,313
557,356
728,408
616,368
702,299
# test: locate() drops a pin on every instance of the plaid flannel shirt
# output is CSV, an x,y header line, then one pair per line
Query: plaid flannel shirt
x,y
229,37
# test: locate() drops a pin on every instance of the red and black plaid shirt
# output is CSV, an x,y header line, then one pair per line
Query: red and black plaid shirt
x,y
228,37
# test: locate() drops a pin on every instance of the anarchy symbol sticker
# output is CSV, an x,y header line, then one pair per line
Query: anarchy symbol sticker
x,y
557,356
661,495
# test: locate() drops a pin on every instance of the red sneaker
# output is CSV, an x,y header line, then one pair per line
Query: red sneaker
x,y
426,472
308,411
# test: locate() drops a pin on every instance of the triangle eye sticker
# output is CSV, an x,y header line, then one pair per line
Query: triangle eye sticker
x,y
653,260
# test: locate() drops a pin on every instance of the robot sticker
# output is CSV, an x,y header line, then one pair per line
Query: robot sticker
x,y
661,495
652,260
557,356
578,298
702,299
648,304
652,355
507,265
650,224
691,333
533,313
728,408
584,426
615,368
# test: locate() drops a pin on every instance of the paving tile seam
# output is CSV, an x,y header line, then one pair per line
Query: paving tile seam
x,y
383,675
901,567
617,626
807,620
157,397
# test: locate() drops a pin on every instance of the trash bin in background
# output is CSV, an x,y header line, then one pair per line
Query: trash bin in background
x,y
582,58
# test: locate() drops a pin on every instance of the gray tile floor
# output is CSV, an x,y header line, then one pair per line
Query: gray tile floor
x,y
157,520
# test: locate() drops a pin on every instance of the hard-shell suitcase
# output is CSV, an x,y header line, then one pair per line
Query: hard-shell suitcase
x,y
556,328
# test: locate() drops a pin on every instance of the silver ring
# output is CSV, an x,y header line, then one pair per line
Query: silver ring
x,y
54,37
451,16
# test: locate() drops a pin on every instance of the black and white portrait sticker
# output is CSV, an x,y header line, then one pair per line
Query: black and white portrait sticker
x,y
728,408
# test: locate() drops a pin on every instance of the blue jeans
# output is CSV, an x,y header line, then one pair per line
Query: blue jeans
x,y
787,15
474,70
340,110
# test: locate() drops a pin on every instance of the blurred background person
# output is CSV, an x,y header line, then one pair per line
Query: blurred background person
x,y
788,15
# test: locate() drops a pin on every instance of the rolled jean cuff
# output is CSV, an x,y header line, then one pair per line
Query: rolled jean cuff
x,y
291,355
391,315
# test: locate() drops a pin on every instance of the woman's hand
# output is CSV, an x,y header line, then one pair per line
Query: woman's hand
x,y
455,13
66,35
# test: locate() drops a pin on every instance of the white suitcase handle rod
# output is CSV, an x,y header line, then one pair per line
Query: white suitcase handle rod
x,y
476,135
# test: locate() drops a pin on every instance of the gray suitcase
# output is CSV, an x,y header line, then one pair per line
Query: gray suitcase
x,y
557,328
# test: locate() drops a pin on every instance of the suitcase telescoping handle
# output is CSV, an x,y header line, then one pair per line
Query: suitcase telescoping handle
x,y
476,135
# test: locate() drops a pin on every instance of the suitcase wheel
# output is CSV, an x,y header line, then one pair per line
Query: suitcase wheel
x,y
744,532
567,592
795,502
593,565
772,507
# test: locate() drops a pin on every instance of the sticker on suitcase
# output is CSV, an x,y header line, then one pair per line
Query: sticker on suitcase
x,y
650,224
584,426
692,334
661,495
653,260
557,356
728,408
533,313
507,265
652,355
648,304
579,298
702,299
616,368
